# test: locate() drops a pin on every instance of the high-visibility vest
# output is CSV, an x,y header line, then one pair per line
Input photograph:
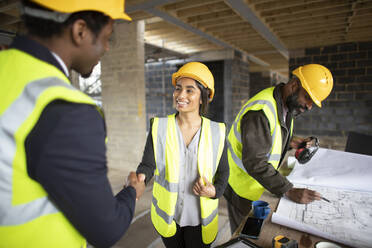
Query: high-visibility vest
x,y
28,218
165,189
240,181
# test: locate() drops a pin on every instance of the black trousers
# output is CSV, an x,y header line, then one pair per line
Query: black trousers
x,y
186,237
237,207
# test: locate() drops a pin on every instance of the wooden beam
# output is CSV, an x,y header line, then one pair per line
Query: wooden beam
x,y
237,33
361,20
248,47
245,12
6,20
316,43
210,16
308,14
200,43
363,5
228,28
309,21
265,52
282,4
245,36
179,23
260,1
173,38
159,25
306,41
9,5
147,5
349,20
221,24
317,33
180,34
182,40
227,20
195,11
187,4
361,30
312,7
253,40
310,29
361,12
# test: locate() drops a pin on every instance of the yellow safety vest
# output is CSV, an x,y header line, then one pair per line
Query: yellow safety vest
x,y
27,216
240,181
165,190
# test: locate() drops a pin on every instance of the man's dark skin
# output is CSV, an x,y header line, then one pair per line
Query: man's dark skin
x,y
301,104
81,50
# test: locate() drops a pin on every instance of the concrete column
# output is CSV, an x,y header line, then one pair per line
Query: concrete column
x,y
123,94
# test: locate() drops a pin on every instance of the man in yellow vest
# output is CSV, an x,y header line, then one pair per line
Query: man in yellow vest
x,y
262,133
54,190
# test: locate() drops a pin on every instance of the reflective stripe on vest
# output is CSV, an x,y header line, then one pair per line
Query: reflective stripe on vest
x,y
271,156
27,217
165,191
10,123
241,182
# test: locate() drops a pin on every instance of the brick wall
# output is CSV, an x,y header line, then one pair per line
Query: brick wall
x,y
349,107
240,83
159,89
258,82
123,94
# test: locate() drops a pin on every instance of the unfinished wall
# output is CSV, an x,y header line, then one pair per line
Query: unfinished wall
x,y
349,107
123,94
159,89
259,81
236,86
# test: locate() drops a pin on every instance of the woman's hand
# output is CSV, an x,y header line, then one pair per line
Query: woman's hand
x,y
141,177
137,183
203,187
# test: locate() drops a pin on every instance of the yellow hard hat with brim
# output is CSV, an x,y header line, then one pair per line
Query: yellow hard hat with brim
x,y
317,80
111,8
197,71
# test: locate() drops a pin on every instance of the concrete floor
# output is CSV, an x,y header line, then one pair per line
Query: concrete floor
x,y
141,233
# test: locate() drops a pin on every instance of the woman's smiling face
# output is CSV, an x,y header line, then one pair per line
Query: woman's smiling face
x,y
186,95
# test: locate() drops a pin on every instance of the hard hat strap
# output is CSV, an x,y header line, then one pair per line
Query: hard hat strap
x,y
44,14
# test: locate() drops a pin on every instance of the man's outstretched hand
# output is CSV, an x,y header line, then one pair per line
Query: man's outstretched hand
x,y
136,183
304,196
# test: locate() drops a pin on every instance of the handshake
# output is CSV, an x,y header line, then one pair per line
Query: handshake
x,y
137,182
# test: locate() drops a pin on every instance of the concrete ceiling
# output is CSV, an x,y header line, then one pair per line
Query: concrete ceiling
x,y
264,30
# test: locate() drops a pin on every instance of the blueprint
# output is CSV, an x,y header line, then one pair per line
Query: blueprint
x,y
348,217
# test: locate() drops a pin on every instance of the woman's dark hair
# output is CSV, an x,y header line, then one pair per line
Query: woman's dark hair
x,y
46,28
204,95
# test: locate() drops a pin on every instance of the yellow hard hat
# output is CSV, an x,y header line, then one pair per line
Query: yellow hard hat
x,y
112,8
198,72
317,80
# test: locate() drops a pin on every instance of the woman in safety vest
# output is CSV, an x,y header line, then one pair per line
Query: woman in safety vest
x,y
187,153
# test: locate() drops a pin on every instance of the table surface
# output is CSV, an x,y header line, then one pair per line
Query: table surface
x,y
270,230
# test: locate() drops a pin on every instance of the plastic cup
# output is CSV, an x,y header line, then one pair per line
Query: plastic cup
x,y
261,209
